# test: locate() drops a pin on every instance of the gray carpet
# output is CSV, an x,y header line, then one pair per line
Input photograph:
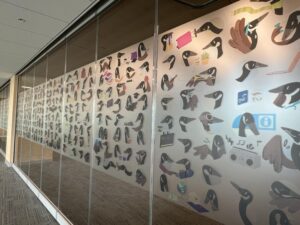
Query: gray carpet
x,y
18,205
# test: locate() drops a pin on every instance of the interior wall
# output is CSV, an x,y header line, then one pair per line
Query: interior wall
x,y
225,121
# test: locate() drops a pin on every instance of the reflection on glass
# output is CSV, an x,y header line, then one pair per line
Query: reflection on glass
x,y
37,130
50,174
122,127
4,97
77,116
27,119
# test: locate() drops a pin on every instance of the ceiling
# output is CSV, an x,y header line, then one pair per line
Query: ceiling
x,y
20,40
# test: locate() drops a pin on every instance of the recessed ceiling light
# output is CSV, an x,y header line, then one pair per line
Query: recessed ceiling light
x,y
22,20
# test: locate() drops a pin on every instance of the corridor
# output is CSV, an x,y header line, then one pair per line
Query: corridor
x,y
18,205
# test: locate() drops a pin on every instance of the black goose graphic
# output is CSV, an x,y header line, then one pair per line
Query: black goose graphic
x,y
211,176
251,31
206,118
278,217
119,55
246,199
295,150
142,52
287,94
186,55
183,121
166,83
187,143
171,59
208,76
169,121
283,191
248,67
118,103
166,40
274,154
217,151
105,64
293,133
216,42
164,183
130,72
164,102
140,119
208,26
212,198
189,100
145,66
130,105
291,31
247,120
218,96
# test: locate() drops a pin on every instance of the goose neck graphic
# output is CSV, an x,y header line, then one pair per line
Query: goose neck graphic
x,y
246,199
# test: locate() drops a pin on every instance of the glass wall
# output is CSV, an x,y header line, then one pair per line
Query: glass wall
x,y
4,98
168,112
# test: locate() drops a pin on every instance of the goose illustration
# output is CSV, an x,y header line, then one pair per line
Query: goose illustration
x,y
121,89
164,102
282,191
217,151
291,31
171,59
140,119
206,27
295,150
119,56
212,198
187,172
246,199
183,121
105,64
142,52
145,66
273,152
244,37
166,164
166,83
140,138
189,100
206,118
208,76
164,183
130,106
216,42
187,143
169,121
288,95
130,72
278,217
186,55
295,135
283,196
118,103
144,99
247,120
166,40
218,96
248,67
141,157
211,176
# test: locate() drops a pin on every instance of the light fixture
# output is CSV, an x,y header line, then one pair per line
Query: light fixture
x,y
22,20
26,87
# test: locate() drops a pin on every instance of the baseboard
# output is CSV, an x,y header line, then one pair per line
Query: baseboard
x,y
53,210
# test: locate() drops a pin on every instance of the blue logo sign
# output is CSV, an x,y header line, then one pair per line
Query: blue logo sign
x,y
242,97
262,121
